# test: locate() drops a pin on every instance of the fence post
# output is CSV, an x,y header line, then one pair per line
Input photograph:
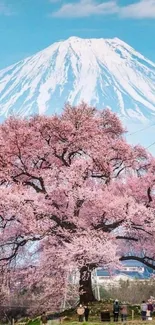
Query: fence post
x,y
133,312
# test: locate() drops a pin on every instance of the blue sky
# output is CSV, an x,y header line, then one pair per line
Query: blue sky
x,y
27,26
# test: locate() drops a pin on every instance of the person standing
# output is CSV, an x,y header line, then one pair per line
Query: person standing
x,y
86,313
150,307
80,312
116,310
124,312
43,319
143,310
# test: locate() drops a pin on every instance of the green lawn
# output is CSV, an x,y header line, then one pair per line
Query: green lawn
x,y
73,322
130,322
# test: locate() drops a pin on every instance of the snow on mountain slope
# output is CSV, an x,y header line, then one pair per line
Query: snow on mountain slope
x,y
103,72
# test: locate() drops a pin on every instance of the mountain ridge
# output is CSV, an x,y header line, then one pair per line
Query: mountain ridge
x,y
102,72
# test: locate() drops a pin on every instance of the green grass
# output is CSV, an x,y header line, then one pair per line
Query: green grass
x,y
34,322
73,320
97,322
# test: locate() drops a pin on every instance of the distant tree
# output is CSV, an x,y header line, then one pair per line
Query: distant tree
x,y
14,303
131,291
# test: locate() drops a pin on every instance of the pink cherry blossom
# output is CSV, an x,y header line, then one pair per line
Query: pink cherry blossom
x,y
74,196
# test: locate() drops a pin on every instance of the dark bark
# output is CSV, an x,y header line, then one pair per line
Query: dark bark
x,y
85,288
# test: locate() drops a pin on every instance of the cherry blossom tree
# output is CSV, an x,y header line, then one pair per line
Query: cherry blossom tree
x,y
75,192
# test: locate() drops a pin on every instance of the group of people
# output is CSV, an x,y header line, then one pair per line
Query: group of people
x,y
83,313
147,309
119,310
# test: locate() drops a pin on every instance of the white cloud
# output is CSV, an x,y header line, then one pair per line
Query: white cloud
x,y
140,9
85,8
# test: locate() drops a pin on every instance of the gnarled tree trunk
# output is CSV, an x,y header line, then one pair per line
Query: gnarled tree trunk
x,y
85,288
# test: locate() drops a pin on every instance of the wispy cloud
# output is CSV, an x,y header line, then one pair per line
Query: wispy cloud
x,y
140,9
85,8
5,10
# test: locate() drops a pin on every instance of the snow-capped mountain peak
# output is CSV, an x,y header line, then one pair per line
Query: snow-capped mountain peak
x,y
103,72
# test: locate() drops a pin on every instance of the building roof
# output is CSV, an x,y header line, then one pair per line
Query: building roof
x,y
141,271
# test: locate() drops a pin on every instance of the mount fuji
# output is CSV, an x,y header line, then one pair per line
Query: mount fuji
x,y
102,72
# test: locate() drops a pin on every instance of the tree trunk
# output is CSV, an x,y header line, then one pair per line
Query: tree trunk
x,y
85,288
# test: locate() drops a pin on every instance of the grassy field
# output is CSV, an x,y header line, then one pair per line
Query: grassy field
x,y
73,322
130,322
